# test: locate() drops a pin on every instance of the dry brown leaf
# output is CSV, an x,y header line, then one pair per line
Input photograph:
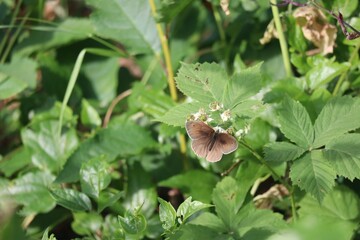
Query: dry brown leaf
x,y
265,200
316,29
269,33
225,6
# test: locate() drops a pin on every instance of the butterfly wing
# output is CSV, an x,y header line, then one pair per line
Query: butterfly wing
x,y
200,147
215,153
208,144
198,130
226,143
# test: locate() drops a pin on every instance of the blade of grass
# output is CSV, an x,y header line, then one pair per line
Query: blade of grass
x,y
14,37
70,86
7,34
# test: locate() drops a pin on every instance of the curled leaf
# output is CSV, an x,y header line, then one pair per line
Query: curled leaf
x,y
225,6
316,29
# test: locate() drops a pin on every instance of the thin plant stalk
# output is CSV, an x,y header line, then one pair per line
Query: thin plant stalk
x,y
344,74
170,75
282,40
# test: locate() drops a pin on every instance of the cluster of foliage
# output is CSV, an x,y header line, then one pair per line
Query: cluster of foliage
x,y
92,135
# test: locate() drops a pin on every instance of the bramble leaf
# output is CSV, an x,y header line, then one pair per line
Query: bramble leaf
x,y
313,174
177,115
339,116
241,86
202,82
282,152
296,123
343,153
228,197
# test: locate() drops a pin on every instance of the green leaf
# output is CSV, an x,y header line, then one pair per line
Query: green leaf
x,y
49,152
295,123
167,214
196,183
152,101
31,190
210,220
169,9
107,198
177,115
190,231
15,161
133,223
339,204
339,116
343,153
94,176
202,82
188,208
141,190
13,81
135,26
252,218
89,115
120,138
324,72
46,235
68,31
346,7
107,70
335,218
228,197
241,86
282,152
248,108
86,223
313,174
71,199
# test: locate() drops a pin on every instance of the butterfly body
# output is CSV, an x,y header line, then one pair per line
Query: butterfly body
x,y
208,143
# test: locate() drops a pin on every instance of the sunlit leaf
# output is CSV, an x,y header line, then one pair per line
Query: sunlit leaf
x,y
295,123
31,190
71,199
188,208
94,176
313,174
282,152
339,116
167,214
135,25
343,153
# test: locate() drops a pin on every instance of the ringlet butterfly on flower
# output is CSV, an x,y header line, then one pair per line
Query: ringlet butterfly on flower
x,y
208,143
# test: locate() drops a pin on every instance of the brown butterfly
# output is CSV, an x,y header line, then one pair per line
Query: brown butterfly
x,y
208,143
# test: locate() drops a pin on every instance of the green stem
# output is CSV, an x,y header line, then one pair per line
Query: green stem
x,y
170,75
109,45
282,40
219,25
7,34
344,74
275,175
13,38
